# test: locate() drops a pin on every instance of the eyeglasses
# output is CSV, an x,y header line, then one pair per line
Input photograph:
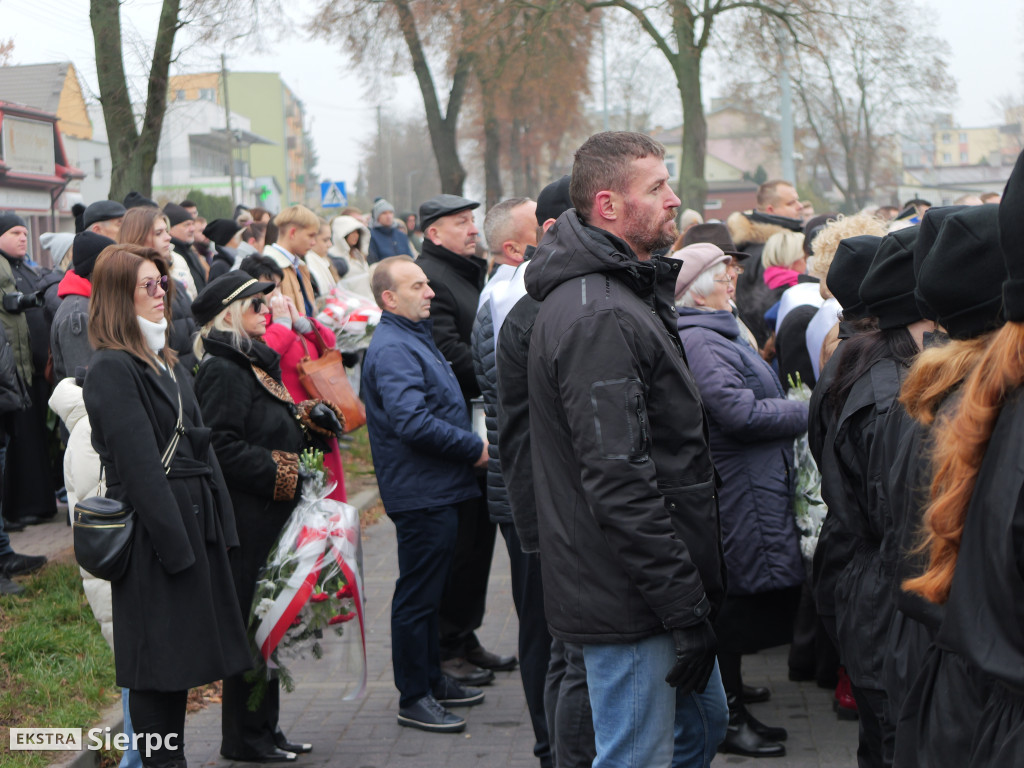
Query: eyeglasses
x,y
735,268
151,284
258,304
723,280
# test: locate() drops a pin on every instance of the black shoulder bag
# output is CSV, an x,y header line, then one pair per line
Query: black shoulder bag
x,y
105,528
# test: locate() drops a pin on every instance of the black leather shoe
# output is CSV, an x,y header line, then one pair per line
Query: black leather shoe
x,y
769,732
8,587
752,695
741,739
468,674
274,755
13,526
428,715
282,743
451,693
16,565
487,660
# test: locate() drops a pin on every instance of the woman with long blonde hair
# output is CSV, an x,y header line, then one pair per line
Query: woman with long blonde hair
x,y
966,705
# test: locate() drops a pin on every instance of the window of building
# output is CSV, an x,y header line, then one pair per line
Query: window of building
x,y
963,138
97,167
946,138
947,157
712,205
208,94
179,95
963,157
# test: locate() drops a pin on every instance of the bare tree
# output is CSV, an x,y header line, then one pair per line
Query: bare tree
x,y
682,31
865,68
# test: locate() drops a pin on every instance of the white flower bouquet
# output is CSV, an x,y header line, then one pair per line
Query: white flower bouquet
x,y
808,507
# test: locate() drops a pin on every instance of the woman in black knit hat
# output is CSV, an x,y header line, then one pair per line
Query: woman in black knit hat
x,y
968,699
867,381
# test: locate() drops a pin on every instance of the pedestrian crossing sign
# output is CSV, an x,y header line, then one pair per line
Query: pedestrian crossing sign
x,y
332,194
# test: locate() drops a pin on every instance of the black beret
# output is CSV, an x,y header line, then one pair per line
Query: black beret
x,y
85,249
10,220
218,294
134,200
715,233
888,287
852,260
102,210
1011,238
962,276
813,226
443,205
931,222
176,214
553,200
222,230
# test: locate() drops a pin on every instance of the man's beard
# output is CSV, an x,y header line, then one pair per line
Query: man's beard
x,y
648,235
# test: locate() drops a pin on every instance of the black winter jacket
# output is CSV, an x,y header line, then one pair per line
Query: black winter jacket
x,y
13,396
192,258
456,282
485,365
627,508
514,419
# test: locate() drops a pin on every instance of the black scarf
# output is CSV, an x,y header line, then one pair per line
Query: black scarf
x,y
220,344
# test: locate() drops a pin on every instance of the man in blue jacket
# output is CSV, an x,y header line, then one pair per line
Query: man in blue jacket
x,y
424,451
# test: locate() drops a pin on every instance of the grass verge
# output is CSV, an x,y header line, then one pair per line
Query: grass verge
x,y
55,667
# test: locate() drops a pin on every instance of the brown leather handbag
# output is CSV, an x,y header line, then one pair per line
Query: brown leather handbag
x,y
325,379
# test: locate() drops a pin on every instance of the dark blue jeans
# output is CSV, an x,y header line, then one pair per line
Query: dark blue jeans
x,y
426,542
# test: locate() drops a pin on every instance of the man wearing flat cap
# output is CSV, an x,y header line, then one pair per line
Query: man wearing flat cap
x,y
186,264
28,496
456,276
104,218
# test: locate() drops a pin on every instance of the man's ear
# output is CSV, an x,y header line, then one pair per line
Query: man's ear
x,y
511,249
606,206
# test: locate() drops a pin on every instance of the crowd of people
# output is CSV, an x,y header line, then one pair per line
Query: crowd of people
x,y
614,385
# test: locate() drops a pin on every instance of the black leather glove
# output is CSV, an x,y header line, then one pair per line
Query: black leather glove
x,y
324,418
695,658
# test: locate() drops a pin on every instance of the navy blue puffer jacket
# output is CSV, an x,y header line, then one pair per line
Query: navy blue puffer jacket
x,y
752,429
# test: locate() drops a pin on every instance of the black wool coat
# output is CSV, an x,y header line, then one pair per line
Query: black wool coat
x,y
176,618
258,441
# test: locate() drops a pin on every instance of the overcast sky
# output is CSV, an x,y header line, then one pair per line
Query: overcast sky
x,y
986,37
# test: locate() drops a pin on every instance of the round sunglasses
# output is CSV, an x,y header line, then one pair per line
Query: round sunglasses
x,y
152,283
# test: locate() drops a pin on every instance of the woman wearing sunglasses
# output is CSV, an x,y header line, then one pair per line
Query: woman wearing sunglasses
x,y
176,619
258,439
148,226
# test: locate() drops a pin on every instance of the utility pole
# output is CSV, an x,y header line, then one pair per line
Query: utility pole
x,y
785,110
227,125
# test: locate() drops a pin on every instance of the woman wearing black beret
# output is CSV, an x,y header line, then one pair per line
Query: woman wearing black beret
x,y
258,439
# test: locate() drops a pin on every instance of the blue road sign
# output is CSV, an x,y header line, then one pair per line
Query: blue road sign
x,y
332,194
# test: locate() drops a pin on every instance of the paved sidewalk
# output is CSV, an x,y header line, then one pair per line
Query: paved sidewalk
x,y
364,734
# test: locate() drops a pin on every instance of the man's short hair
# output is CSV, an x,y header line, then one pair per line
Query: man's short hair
x,y
382,279
187,204
605,162
499,224
298,216
768,193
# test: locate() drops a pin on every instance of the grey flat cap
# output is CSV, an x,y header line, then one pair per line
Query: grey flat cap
x,y
102,210
443,205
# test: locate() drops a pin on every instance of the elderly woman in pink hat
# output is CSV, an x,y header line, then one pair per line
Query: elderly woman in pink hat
x,y
752,428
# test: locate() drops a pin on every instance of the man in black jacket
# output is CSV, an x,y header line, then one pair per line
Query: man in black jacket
x,y
456,276
627,512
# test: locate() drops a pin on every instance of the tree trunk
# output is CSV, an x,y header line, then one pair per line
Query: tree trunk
x,y
442,128
515,155
693,189
133,153
492,147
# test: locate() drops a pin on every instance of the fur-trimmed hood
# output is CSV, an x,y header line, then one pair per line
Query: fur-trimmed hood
x,y
757,227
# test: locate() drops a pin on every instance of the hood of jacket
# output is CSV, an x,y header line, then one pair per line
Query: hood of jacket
x,y
720,321
342,227
74,285
68,403
571,249
757,227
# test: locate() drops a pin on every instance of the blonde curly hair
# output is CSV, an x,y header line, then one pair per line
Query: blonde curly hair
x,y
827,240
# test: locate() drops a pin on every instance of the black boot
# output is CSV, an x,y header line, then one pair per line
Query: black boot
x,y
769,732
742,739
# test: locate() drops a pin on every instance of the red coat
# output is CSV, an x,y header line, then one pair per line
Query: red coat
x,y
289,345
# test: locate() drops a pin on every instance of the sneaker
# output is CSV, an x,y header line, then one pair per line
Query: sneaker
x,y
451,693
428,715
8,587
13,564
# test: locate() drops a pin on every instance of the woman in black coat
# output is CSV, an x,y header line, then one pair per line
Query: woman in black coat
x,y
176,618
255,431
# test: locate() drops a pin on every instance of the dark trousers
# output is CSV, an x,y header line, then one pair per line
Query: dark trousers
x,y
246,733
465,595
534,640
163,713
812,653
28,481
567,707
877,738
426,541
